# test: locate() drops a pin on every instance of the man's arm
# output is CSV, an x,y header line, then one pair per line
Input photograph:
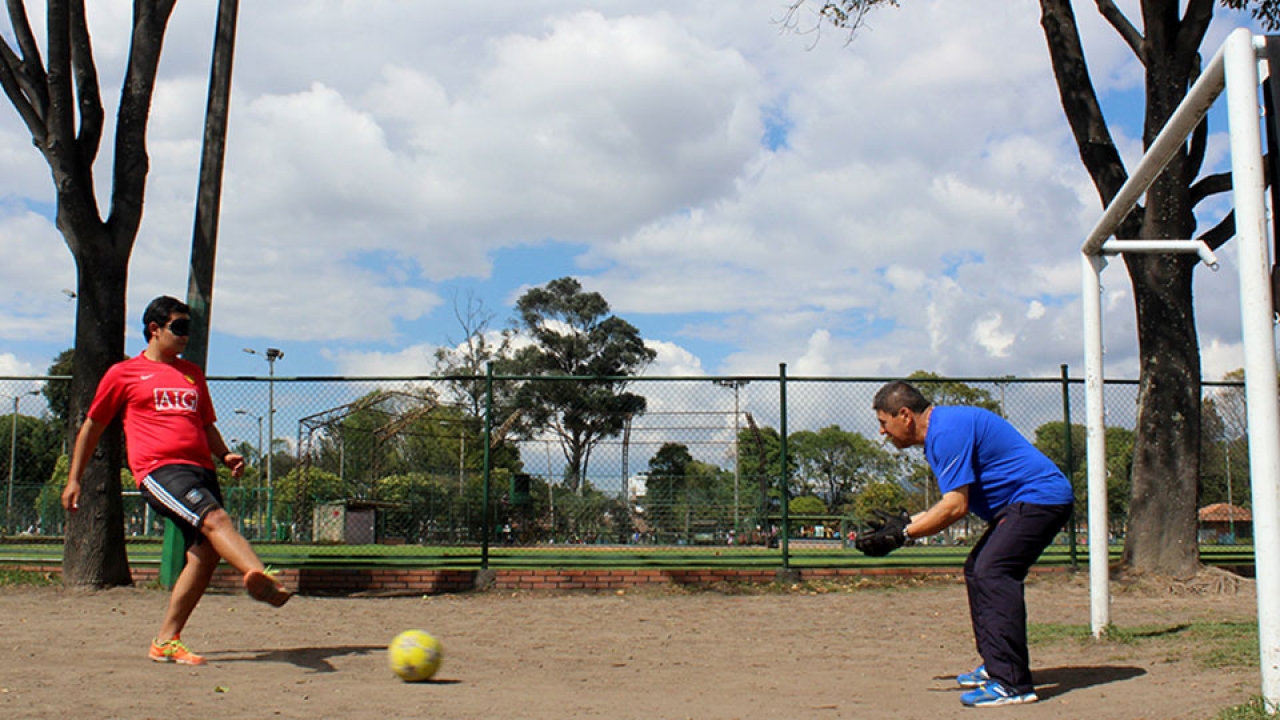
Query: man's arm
x,y
950,509
218,447
86,443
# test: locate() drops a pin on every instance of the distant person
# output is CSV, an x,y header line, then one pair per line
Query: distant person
x,y
172,441
984,466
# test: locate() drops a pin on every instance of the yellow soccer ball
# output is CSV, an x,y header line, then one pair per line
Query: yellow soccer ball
x,y
414,655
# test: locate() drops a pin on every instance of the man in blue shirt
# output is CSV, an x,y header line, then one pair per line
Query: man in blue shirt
x,y
984,466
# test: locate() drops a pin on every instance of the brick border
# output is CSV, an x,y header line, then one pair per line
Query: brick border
x,y
409,581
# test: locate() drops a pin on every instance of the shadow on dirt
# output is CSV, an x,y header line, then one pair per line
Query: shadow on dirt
x,y
315,659
1052,682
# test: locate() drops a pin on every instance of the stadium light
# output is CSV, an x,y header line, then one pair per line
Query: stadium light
x,y
272,355
735,385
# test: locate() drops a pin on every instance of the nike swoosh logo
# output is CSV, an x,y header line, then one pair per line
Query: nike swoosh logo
x,y
148,376
950,465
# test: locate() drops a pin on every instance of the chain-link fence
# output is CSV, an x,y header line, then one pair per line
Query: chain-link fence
x,y
388,465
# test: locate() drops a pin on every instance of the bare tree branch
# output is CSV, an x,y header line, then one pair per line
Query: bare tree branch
x,y
1196,148
847,15
61,117
1191,32
1209,186
11,80
86,76
1126,30
32,64
1080,100
1219,234
131,161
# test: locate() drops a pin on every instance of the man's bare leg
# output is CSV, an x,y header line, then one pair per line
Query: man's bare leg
x,y
190,586
233,548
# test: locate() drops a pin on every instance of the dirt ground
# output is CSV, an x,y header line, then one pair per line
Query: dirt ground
x,y
867,653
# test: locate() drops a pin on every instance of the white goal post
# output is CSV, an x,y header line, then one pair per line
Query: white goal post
x,y
1235,68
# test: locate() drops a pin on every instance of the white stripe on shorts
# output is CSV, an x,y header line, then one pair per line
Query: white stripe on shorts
x,y
157,490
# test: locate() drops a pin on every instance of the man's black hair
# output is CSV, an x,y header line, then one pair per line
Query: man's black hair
x,y
159,311
897,395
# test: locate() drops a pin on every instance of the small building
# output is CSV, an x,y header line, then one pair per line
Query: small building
x,y
1225,524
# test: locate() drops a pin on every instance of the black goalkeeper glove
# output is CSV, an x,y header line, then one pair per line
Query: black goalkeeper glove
x,y
888,533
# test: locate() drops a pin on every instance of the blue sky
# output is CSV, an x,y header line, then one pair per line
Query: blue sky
x,y
744,196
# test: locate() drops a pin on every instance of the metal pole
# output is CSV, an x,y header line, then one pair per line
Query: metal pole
x,y
13,449
272,355
737,466
271,442
1257,318
1069,465
257,501
1096,440
782,452
1231,507
488,442
735,385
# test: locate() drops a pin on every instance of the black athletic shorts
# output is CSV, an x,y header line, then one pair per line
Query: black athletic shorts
x,y
185,494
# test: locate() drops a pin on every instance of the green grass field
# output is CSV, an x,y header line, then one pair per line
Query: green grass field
x,y
597,556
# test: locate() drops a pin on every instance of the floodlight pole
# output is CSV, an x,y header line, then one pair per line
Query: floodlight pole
x,y
272,355
735,385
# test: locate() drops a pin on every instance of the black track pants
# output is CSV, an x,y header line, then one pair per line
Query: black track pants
x,y
994,575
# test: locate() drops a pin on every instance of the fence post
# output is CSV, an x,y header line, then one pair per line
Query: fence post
x,y
1070,468
784,489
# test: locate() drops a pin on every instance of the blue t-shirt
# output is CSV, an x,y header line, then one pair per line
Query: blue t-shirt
x,y
975,447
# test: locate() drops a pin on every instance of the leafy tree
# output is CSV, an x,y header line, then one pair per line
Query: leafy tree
x,y
760,458
1229,406
301,489
665,486
836,463
806,505
1162,507
57,393
888,496
468,361
950,392
1224,456
48,503
709,495
1051,440
422,499
37,446
574,335
60,104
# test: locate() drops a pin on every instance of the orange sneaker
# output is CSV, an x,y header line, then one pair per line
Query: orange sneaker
x,y
264,588
173,651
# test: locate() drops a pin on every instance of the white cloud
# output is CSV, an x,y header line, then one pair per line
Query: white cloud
x,y
12,366
672,361
920,204
412,361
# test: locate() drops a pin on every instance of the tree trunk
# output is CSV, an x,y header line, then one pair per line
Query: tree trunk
x,y
1161,535
94,553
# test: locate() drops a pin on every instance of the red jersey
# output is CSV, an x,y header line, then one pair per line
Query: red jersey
x,y
166,410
